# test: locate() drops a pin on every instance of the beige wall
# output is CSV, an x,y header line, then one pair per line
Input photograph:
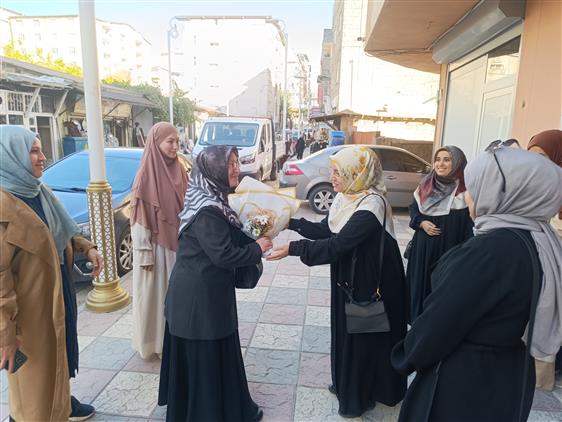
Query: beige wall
x,y
538,101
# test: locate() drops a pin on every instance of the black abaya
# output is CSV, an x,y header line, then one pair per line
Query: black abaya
x,y
361,369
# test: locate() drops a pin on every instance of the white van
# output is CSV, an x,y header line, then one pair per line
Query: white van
x,y
252,137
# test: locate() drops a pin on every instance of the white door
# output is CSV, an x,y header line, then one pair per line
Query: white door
x,y
495,122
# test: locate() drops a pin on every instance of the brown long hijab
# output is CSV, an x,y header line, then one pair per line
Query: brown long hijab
x,y
159,189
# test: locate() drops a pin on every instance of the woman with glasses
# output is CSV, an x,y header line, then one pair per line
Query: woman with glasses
x,y
157,199
202,377
549,144
357,240
439,216
467,346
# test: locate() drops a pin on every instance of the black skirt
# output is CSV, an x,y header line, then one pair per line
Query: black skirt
x,y
204,380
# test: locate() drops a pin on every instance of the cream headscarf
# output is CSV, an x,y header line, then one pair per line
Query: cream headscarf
x,y
361,171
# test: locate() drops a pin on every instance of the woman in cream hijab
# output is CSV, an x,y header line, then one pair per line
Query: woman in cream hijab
x,y
351,237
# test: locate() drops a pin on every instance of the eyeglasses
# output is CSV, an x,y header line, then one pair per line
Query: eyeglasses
x,y
495,146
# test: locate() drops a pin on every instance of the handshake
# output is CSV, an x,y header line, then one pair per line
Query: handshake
x,y
272,253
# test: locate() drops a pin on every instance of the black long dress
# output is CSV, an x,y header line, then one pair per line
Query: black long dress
x,y
466,346
202,376
69,295
426,250
361,369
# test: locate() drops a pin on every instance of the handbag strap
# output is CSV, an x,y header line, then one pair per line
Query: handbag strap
x,y
534,301
376,294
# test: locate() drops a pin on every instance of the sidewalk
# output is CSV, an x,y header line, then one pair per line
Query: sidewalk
x,y
285,335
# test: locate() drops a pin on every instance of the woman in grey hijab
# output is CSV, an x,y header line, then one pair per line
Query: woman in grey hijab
x,y
466,346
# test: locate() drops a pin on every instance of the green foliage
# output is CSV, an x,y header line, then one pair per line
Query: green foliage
x,y
39,59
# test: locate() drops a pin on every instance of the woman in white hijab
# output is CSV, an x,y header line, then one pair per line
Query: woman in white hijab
x,y
350,240
466,347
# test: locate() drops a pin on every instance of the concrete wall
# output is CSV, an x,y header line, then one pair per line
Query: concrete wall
x,y
538,101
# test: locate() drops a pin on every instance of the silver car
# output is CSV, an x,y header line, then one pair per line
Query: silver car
x,y
311,176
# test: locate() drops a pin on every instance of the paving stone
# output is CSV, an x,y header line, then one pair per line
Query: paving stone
x,y
89,383
91,324
123,328
269,267
246,331
546,401
382,413
319,283
150,365
293,269
84,341
272,366
317,315
277,401
290,281
320,271
542,416
3,387
129,394
249,311
104,417
319,297
282,314
266,279
315,370
317,405
159,413
257,294
316,339
4,411
286,296
276,336
107,353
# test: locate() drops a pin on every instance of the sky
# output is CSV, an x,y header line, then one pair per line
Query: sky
x,y
305,19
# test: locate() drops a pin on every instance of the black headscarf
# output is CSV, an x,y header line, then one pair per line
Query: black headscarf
x,y
208,185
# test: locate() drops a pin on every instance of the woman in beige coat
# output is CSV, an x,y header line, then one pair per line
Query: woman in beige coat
x,y
32,313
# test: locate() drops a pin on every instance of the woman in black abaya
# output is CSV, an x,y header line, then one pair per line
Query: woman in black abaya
x,y
439,216
361,371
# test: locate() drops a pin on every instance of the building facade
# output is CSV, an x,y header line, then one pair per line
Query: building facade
x,y
324,97
123,52
499,63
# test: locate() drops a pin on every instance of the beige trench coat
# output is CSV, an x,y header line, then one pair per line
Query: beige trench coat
x,y
32,310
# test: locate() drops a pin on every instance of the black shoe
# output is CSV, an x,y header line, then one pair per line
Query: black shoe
x,y
332,389
259,415
80,411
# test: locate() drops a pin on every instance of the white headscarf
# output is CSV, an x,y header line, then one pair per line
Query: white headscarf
x,y
526,199
361,171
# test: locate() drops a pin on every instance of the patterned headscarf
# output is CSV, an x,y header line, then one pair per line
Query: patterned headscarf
x,y
523,194
17,178
208,185
434,189
360,169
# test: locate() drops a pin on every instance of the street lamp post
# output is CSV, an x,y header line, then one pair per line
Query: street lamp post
x,y
172,33
285,38
107,295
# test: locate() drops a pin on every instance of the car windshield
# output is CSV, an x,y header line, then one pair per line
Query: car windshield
x,y
73,173
229,133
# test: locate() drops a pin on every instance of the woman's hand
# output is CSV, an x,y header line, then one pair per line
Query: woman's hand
x,y
430,228
97,260
279,252
265,244
8,354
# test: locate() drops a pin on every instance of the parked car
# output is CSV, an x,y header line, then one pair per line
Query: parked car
x,y
311,176
69,178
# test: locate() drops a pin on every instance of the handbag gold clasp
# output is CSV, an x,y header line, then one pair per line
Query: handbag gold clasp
x,y
378,294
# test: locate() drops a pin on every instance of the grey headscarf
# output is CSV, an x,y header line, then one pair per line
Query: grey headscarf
x,y
208,185
16,177
533,194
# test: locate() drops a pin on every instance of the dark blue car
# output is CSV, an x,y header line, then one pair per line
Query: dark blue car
x,y
69,178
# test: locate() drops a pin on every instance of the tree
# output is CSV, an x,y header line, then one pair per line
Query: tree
x,y
39,59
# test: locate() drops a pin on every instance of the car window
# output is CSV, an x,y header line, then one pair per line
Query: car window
x,y
411,164
390,159
74,173
229,133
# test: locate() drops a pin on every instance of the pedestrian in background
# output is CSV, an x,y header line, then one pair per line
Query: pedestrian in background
x,y
157,199
466,347
38,312
138,136
440,218
549,144
361,370
300,146
202,377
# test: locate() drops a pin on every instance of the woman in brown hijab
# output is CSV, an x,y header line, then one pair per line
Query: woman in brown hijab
x,y
549,144
157,198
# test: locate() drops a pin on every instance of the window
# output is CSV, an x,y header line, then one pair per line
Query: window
x,y
72,51
503,61
55,51
223,133
390,159
3,120
15,119
411,164
214,44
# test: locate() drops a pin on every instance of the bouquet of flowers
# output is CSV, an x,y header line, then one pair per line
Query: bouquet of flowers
x,y
263,211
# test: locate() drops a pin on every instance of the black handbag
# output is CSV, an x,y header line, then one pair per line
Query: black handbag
x,y
247,277
408,250
366,316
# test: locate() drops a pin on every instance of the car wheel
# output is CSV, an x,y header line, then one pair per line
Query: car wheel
x,y
273,174
125,252
321,198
